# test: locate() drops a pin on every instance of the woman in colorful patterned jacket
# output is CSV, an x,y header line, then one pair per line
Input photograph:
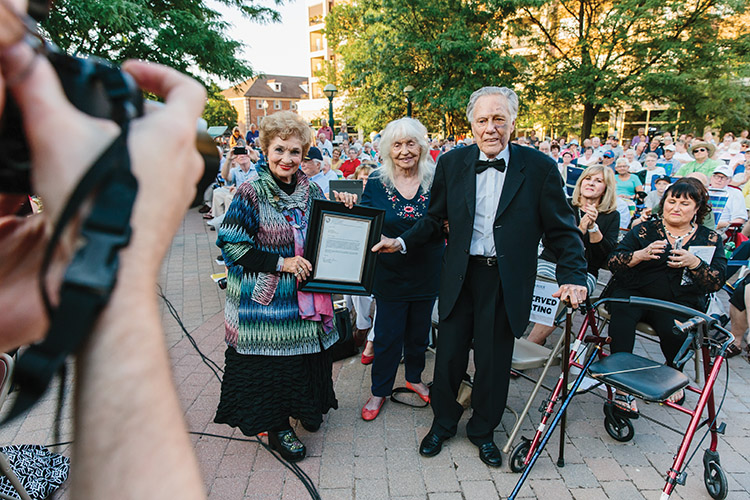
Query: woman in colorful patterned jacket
x,y
276,361
405,285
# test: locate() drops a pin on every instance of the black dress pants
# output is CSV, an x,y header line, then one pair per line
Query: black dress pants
x,y
479,316
624,318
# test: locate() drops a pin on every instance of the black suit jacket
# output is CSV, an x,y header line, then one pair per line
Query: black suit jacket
x,y
532,203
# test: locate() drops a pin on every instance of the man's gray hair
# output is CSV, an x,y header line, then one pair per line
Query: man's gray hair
x,y
510,96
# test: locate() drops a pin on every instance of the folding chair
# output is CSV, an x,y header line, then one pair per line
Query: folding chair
x,y
571,177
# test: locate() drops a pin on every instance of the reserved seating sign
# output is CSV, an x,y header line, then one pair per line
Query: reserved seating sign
x,y
544,305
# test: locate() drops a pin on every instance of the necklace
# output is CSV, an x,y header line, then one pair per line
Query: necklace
x,y
692,230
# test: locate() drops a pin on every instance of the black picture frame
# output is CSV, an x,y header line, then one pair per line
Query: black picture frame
x,y
331,223
347,186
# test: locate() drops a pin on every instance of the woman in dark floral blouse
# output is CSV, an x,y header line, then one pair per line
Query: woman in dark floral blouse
x,y
406,285
671,259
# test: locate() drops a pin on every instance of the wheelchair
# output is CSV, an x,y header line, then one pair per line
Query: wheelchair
x,y
647,380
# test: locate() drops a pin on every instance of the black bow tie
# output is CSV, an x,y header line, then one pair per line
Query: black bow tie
x,y
482,165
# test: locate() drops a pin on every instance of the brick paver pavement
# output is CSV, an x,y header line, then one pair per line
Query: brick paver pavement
x,y
356,460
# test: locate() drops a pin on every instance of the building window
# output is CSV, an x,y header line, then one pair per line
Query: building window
x,y
293,106
258,104
276,104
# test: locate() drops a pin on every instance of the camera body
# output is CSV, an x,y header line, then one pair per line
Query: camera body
x,y
87,84
97,88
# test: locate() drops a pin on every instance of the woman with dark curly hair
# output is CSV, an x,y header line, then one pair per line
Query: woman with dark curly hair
x,y
659,259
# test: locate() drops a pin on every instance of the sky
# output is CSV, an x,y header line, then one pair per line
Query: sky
x,y
277,48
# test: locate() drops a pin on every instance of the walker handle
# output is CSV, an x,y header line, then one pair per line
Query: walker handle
x,y
688,326
663,305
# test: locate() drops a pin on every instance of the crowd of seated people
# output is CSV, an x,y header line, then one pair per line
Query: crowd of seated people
x,y
646,261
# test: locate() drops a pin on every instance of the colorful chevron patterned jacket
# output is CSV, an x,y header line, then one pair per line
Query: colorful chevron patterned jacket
x,y
261,314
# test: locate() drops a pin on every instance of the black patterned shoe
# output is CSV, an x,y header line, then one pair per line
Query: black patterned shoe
x,y
287,444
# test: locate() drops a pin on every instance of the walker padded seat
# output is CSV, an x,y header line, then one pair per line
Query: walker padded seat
x,y
639,376
528,355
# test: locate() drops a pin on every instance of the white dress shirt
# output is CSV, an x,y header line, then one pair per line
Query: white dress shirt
x,y
489,186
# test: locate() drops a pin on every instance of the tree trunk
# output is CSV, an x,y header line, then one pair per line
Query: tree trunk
x,y
589,113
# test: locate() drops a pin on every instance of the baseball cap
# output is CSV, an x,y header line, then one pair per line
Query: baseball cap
x,y
670,148
608,154
723,170
313,154
663,178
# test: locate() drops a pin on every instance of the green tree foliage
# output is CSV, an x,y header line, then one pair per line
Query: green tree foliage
x,y
219,111
184,34
709,89
596,54
445,49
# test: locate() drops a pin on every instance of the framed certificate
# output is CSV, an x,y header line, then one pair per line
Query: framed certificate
x,y
338,245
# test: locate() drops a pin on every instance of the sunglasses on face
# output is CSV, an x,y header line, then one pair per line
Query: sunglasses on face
x,y
700,150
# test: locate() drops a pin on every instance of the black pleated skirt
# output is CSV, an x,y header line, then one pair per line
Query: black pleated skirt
x,y
261,393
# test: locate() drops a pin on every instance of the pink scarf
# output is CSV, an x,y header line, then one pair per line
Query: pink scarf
x,y
312,306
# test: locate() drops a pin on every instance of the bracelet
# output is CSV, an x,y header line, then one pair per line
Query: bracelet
x,y
700,263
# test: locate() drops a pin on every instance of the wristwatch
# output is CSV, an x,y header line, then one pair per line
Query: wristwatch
x,y
594,229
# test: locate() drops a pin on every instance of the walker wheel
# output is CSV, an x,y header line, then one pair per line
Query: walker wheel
x,y
619,428
518,456
715,480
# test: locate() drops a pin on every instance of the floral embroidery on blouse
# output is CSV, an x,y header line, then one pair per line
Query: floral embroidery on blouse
x,y
407,209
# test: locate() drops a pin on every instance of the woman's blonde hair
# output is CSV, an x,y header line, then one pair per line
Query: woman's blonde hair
x,y
284,124
406,128
363,168
608,201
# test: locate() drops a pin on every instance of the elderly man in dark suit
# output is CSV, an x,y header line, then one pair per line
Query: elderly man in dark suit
x,y
496,217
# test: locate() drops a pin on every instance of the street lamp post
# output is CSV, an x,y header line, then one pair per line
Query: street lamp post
x,y
408,91
330,91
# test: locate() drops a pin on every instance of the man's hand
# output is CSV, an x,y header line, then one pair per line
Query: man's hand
x,y
575,294
387,245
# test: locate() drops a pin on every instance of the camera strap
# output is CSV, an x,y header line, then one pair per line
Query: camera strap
x,y
91,275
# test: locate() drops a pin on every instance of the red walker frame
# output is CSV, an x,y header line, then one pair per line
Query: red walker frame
x,y
524,455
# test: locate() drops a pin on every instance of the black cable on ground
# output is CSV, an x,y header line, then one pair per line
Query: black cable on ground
x,y
215,368
296,470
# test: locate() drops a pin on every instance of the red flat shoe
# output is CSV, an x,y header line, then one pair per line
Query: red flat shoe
x,y
366,360
424,398
368,415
